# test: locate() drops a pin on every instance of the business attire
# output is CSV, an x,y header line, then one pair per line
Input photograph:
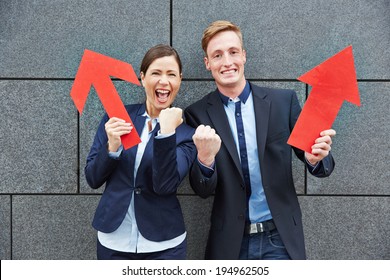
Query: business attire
x,y
139,212
252,177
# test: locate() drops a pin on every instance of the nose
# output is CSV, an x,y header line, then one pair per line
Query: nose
x,y
226,59
163,80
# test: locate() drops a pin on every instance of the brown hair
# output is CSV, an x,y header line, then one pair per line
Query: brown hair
x,y
216,27
156,52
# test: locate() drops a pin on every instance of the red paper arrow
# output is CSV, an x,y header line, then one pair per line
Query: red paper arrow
x,y
95,70
333,81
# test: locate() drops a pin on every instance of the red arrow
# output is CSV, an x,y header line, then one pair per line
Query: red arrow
x,y
333,81
95,70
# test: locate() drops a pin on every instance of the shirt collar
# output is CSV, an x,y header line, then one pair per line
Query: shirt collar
x,y
243,96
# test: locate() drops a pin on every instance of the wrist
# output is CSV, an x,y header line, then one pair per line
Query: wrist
x,y
166,130
208,161
112,148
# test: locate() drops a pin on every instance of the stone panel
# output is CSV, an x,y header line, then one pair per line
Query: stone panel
x,y
284,39
346,228
361,147
47,38
197,212
38,136
47,227
5,225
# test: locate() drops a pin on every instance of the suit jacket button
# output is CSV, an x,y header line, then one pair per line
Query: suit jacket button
x,y
241,217
137,190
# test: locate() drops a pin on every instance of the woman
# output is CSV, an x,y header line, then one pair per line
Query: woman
x,y
139,215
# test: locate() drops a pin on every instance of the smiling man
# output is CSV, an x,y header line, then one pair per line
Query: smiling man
x,y
244,159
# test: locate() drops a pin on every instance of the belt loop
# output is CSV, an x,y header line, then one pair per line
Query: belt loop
x,y
260,227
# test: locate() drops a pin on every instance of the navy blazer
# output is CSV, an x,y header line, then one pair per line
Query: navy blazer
x,y
164,164
276,111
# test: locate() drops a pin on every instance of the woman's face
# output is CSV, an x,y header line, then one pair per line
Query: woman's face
x,y
161,82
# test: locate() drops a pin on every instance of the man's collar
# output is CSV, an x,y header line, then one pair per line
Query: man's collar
x,y
243,96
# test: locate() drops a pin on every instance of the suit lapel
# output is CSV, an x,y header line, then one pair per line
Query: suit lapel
x,y
139,123
148,152
262,110
220,122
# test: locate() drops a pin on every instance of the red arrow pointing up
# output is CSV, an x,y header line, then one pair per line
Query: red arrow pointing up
x,y
95,70
333,81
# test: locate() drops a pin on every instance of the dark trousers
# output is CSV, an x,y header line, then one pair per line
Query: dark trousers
x,y
176,253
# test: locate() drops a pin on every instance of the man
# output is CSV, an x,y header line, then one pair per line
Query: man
x,y
244,158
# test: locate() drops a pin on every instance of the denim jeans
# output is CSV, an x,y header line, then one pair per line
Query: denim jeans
x,y
263,246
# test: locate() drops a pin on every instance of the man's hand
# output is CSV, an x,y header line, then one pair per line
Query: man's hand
x,y
115,128
321,147
170,119
207,143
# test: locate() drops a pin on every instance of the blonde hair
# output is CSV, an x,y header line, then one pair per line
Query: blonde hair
x,y
216,27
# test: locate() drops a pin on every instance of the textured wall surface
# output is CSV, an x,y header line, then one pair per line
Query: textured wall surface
x,y
46,206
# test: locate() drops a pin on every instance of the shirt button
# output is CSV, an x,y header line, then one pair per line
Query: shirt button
x,y
137,190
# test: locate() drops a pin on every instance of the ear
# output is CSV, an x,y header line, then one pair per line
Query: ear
x,y
244,56
142,77
206,62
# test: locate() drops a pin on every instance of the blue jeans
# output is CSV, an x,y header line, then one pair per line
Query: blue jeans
x,y
263,246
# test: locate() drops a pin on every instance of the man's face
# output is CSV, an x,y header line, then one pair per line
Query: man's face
x,y
225,59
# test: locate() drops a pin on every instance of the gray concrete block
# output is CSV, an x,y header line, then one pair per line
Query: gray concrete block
x,y
39,137
346,228
360,147
284,39
53,227
47,38
197,212
5,225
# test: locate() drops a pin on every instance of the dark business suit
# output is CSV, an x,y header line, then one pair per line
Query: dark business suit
x,y
276,112
164,164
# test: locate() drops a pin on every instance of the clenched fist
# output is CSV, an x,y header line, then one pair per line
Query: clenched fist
x,y
207,143
170,119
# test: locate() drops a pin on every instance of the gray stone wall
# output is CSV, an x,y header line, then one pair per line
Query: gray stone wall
x,y
46,207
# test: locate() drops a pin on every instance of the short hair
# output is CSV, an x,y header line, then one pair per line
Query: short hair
x,y
216,27
156,52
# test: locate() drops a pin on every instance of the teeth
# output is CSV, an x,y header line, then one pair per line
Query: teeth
x,y
228,71
162,92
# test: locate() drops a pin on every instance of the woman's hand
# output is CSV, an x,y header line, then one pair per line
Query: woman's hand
x,y
115,128
170,119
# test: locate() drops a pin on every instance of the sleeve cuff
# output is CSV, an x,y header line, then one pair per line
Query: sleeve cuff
x,y
206,171
310,166
117,154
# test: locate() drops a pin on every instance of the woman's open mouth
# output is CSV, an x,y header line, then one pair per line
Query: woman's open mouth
x,y
162,95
